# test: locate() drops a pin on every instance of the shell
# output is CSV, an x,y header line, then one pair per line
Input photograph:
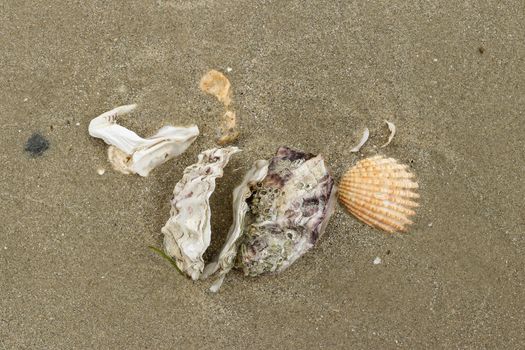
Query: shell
x,y
228,129
225,260
187,233
215,83
379,192
131,154
289,211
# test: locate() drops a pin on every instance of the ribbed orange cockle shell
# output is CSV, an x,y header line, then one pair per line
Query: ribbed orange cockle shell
x,y
379,192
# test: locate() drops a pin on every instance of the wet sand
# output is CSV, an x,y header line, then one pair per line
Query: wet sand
x,y
75,269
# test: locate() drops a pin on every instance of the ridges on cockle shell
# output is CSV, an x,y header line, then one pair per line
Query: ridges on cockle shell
x,y
379,192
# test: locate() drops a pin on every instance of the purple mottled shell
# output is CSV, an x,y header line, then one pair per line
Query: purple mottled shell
x,y
289,211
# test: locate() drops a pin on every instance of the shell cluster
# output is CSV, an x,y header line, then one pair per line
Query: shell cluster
x,y
282,205
380,192
280,209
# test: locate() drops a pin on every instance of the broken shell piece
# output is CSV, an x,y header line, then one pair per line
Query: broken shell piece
x,y
363,140
134,154
289,211
187,232
215,83
379,192
119,160
226,258
228,131
392,128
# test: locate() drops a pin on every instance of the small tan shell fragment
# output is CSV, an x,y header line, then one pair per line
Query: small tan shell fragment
x,y
216,84
228,131
379,192
120,161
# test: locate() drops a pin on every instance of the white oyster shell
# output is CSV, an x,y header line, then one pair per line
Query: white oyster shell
x,y
132,154
187,233
225,260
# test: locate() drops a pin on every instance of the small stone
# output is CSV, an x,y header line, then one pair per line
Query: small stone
x,y
430,225
229,69
77,124
377,261
101,171
36,145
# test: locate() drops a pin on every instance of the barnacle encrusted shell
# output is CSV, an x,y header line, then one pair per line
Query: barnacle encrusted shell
x,y
379,192
187,233
289,211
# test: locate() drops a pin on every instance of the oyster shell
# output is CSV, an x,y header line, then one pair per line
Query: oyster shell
x,y
225,260
289,211
187,232
379,192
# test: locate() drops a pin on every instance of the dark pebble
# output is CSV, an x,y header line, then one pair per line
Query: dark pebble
x,y
36,145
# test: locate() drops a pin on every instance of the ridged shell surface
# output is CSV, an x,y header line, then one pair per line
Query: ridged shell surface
x,y
380,192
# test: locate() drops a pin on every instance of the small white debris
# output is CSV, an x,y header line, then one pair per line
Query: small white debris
x,y
430,225
377,261
229,69
5,248
101,171
26,99
122,89
435,60
363,140
392,129
77,124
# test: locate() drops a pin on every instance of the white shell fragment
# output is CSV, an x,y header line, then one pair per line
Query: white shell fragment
x,y
363,140
187,234
132,154
225,260
392,129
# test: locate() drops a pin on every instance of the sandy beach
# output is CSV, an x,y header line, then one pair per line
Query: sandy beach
x,y
75,268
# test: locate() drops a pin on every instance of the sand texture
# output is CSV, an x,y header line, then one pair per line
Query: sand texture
x,y
75,270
